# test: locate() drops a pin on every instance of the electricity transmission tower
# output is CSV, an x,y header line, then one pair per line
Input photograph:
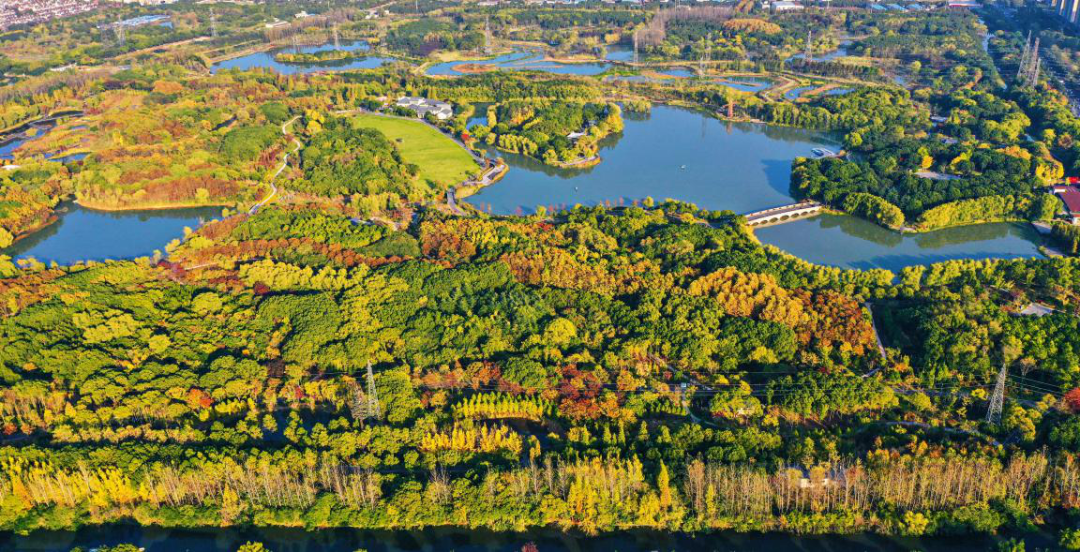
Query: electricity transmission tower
x,y
1030,63
635,47
213,23
372,395
809,56
1024,57
337,43
487,35
706,54
363,404
997,400
120,38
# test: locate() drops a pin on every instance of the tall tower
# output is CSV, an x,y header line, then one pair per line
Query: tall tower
x,y
809,46
213,23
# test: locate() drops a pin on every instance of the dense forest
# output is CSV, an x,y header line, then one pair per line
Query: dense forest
x,y
351,345
597,371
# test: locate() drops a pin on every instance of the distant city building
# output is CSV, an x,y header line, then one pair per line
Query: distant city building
x,y
423,106
26,12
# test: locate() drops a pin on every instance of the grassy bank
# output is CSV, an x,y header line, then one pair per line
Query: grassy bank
x,y
441,160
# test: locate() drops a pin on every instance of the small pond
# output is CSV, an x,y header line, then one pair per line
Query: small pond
x,y
82,234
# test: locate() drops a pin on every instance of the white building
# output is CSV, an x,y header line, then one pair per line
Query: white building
x,y
786,5
422,106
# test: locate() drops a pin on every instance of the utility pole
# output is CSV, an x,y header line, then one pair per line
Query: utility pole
x,y
997,401
372,395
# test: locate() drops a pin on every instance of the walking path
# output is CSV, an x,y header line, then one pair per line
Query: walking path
x,y
284,163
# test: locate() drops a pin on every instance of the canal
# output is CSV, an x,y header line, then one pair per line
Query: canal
x,y
440,540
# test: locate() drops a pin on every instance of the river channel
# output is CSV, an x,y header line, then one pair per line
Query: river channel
x,y
447,540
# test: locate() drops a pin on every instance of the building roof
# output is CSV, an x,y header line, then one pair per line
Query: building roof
x,y
423,106
1071,197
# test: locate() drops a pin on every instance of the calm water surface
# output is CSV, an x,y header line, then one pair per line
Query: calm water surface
x,y
522,61
745,84
434,540
796,93
839,52
83,234
849,242
680,154
673,153
266,60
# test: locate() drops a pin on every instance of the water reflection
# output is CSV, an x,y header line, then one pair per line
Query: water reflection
x,y
83,234
846,241
673,153
521,61
680,154
479,540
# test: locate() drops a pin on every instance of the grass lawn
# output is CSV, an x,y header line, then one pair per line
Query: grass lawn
x,y
441,160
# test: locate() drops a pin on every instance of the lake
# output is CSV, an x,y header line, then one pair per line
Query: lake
x,y
681,154
440,540
266,60
83,234
673,153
